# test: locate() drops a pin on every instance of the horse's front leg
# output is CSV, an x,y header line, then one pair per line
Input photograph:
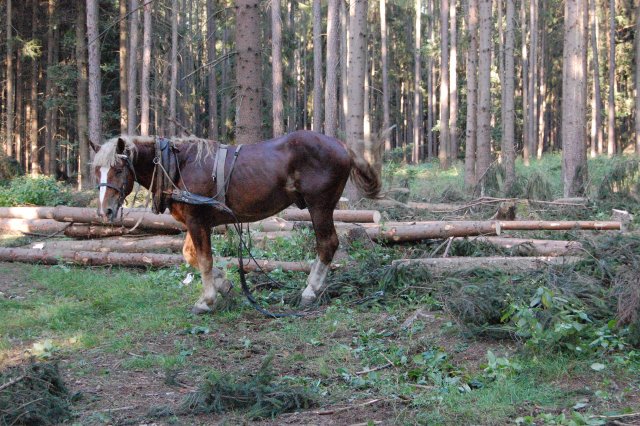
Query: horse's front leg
x,y
326,246
197,252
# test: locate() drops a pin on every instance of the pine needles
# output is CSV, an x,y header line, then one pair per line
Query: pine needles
x,y
33,395
259,395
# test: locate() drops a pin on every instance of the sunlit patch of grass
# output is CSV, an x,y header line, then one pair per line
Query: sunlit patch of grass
x,y
118,306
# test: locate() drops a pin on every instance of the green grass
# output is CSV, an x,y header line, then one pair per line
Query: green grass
x,y
98,306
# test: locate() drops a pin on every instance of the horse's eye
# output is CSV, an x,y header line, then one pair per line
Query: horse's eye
x,y
119,172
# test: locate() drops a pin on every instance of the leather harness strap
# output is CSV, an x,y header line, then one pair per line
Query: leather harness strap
x,y
218,173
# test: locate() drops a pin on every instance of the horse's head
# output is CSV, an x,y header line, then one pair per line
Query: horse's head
x,y
113,167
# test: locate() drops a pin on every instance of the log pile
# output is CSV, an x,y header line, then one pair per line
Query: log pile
x,y
103,243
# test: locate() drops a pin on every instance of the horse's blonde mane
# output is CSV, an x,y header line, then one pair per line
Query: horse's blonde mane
x,y
107,157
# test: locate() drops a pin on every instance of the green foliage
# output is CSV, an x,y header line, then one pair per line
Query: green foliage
x,y
257,394
39,191
621,180
500,368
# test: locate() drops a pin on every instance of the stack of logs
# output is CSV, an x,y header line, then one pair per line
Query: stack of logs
x,y
97,243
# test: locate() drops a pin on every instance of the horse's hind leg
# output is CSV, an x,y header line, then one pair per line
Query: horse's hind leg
x,y
326,246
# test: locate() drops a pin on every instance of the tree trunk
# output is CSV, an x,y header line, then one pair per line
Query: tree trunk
x,y
331,85
637,82
385,74
276,64
542,72
8,148
508,140
417,113
344,95
472,91
443,153
84,174
453,82
145,98
132,68
611,127
212,81
173,89
123,58
356,68
574,161
532,118
597,132
483,161
248,72
430,77
317,66
95,100
33,119
525,84
50,147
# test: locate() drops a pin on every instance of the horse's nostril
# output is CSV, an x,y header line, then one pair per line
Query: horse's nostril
x,y
109,212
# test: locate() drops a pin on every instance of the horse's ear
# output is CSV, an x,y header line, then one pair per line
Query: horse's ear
x,y
94,146
120,146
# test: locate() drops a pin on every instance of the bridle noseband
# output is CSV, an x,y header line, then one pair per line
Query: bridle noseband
x,y
121,189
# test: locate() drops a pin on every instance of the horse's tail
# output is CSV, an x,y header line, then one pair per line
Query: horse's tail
x,y
364,175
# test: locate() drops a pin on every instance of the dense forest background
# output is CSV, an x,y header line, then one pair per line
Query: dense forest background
x,y
479,81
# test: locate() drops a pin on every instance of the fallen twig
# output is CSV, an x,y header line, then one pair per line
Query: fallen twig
x,y
12,382
371,370
351,407
617,416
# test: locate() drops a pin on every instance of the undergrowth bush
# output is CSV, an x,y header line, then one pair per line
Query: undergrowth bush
x,y
39,191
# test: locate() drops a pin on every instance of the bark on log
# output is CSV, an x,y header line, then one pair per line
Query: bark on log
x,y
35,226
89,232
398,232
117,244
439,266
524,246
88,258
357,216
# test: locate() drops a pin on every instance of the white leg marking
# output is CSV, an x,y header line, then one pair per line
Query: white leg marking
x,y
315,282
104,172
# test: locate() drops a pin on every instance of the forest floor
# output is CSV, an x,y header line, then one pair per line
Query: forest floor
x,y
128,346
481,347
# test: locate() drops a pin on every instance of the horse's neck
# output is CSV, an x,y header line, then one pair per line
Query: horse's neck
x,y
143,163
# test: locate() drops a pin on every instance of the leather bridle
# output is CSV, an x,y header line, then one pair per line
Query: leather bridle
x,y
121,190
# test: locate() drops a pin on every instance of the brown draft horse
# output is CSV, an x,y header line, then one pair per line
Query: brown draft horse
x,y
303,168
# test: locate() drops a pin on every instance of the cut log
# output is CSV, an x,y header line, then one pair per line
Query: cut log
x,y
88,232
529,247
31,226
88,258
27,212
117,244
435,207
147,220
438,266
416,231
352,216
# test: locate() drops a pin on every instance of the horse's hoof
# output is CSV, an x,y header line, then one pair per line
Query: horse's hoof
x,y
200,309
306,301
